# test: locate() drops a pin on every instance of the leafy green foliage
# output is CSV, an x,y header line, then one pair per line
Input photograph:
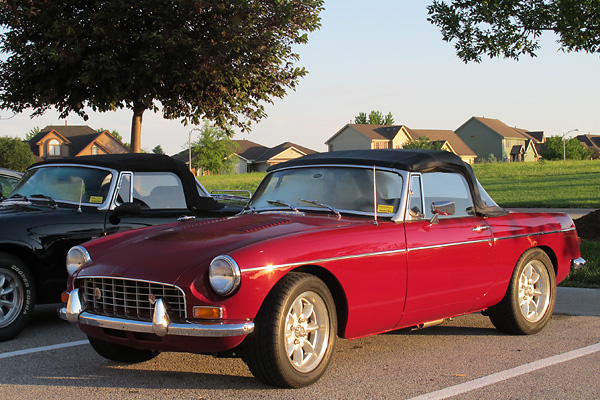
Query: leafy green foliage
x,y
572,149
374,118
15,154
216,59
213,150
511,28
31,134
423,143
158,150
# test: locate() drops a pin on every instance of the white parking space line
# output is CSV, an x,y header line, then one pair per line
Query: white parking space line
x,y
43,348
508,374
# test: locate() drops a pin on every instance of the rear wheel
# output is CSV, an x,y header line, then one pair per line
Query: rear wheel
x,y
294,334
529,300
17,296
121,353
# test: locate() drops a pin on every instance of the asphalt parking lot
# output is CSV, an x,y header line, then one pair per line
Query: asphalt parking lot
x,y
465,358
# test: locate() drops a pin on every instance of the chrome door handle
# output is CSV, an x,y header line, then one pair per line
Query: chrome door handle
x,y
186,218
480,228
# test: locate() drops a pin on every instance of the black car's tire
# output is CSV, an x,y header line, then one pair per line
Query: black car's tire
x,y
295,333
17,296
121,353
529,300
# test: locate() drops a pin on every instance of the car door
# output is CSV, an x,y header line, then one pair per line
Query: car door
x,y
451,260
146,199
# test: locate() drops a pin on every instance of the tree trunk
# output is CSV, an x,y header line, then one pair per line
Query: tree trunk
x,y
136,129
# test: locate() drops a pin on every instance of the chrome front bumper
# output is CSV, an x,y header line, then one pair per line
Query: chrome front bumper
x,y
161,324
577,263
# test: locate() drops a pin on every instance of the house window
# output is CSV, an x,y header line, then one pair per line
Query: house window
x,y
53,147
94,149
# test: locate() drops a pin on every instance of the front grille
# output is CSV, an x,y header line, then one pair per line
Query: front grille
x,y
131,299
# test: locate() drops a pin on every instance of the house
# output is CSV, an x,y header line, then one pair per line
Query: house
x,y
57,141
487,136
254,157
367,136
592,142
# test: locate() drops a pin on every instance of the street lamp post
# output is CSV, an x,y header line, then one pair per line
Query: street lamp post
x,y
565,143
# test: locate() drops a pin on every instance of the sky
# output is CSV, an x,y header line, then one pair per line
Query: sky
x,y
384,55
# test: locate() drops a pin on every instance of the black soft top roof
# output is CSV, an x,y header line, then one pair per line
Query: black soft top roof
x,y
408,160
143,162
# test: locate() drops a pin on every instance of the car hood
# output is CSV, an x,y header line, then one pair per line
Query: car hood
x,y
163,253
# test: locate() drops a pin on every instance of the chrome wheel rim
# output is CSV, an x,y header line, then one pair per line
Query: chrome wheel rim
x,y
11,297
307,331
534,291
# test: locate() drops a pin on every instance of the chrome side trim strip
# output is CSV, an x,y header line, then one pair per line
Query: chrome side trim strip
x,y
533,234
379,253
450,244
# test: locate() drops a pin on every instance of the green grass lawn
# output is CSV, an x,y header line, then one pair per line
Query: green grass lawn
x,y
552,184
589,276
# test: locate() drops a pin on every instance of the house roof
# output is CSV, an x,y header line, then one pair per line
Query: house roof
x,y
590,141
373,132
508,132
77,136
450,136
258,153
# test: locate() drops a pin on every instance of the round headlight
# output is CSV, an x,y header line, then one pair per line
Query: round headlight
x,y
76,257
224,275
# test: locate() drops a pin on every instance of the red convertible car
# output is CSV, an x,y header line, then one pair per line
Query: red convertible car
x,y
342,244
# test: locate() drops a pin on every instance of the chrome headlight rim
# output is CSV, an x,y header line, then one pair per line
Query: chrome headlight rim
x,y
224,285
77,257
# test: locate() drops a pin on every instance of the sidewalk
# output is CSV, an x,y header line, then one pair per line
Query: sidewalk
x,y
576,301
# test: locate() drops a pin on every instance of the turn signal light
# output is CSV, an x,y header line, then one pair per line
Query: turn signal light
x,y
202,312
64,297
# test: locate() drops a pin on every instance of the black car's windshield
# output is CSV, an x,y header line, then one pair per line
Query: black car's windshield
x,y
65,183
344,189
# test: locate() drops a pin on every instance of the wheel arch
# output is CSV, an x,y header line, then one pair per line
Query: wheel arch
x,y
552,256
336,289
22,253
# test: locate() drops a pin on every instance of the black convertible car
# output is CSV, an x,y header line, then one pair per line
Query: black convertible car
x,y
61,203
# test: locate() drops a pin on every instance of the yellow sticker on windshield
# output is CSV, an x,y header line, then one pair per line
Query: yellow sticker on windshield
x,y
96,199
385,209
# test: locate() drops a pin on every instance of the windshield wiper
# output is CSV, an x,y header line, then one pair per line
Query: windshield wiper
x,y
44,197
316,203
283,203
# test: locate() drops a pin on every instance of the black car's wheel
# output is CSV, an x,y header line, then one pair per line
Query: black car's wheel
x,y
120,353
17,296
294,334
529,300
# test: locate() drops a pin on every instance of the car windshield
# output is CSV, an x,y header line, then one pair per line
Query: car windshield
x,y
65,183
329,189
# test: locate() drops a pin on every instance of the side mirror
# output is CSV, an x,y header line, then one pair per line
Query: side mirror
x,y
441,208
124,209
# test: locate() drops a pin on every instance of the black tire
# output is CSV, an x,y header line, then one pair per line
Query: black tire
x,y
529,300
121,353
278,352
17,296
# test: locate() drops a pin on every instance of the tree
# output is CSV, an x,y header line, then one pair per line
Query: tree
x,y
158,149
573,149
213,150
511,28
423,143
31,134
15,154
374,118
215,59
114,133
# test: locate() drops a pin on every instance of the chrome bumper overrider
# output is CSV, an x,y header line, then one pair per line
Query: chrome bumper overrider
x,y
577,263
161,324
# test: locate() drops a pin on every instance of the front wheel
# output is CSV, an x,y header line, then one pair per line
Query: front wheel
x,y
121,353
529,300
294,334
17,296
